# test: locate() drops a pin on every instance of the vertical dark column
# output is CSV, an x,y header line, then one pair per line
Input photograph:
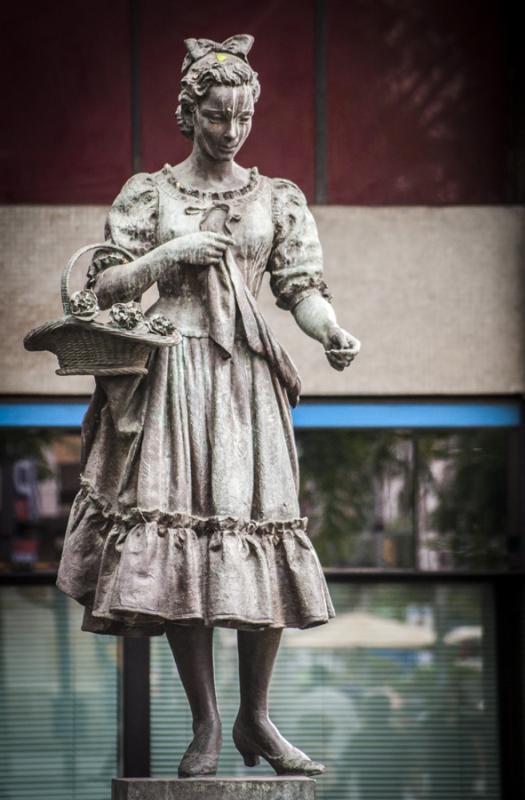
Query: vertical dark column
x,y
416,533
7,508
510,592
515,41
134,17
135,708
510,634
516,502
321,136
135,653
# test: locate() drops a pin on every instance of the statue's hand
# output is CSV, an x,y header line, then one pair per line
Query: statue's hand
x,y
340,347
201,249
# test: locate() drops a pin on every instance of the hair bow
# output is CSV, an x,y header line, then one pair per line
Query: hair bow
x,y
239,46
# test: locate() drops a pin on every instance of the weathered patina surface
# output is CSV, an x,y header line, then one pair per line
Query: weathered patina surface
x,y
188,516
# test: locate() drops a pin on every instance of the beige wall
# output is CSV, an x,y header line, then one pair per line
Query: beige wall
x,y
436,295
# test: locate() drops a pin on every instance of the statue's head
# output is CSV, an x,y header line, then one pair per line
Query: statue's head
x,y
218,94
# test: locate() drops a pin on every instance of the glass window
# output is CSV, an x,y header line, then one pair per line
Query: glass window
x,y
467,489
430,500
40,472
58,699
397,695
379,499
357,492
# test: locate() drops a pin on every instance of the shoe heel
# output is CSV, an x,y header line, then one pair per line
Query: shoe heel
x,y
250,759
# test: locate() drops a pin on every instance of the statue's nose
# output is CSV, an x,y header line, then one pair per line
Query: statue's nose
x,y
230,134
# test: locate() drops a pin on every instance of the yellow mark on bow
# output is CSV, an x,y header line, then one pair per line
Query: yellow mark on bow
x,y
221,56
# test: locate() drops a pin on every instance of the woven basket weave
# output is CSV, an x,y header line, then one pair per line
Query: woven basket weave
x,y
94,348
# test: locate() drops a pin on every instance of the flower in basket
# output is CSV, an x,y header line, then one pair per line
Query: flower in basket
x,y
126,315
84,305
160,324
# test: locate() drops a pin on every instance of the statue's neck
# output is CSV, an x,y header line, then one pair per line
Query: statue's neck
x,y
209,170
206,174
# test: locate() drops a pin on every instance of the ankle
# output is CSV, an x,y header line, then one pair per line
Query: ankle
x,y
252,719
209,721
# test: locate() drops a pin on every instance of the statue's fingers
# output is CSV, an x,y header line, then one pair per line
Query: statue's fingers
x,y
337,340
223,239
335,361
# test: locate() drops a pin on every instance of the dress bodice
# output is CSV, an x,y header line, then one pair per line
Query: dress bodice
x,y
249,218
248,213
272,226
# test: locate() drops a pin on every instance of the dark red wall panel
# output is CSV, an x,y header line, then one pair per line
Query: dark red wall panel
x,y
417,105
66,134
282,139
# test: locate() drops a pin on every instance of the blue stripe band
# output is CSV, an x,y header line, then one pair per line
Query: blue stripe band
x,y
310,415
42,415
407,415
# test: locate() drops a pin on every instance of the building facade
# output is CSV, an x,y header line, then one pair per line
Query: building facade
x,y
403,123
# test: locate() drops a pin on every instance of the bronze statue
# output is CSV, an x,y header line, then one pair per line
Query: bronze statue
x,y
188,516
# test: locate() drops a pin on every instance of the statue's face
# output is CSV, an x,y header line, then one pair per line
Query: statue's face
x,y
222,121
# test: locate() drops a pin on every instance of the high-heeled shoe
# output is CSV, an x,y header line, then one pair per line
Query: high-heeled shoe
x,y
294,762
193,764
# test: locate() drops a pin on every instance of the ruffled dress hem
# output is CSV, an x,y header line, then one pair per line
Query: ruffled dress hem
x,y
137,624
138,571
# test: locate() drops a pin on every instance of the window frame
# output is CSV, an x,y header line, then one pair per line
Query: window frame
x,y
359,414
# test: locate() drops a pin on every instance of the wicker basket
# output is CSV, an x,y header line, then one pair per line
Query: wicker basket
x,y
94,348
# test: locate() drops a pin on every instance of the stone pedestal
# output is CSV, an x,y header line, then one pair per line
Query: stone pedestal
x,y
216,788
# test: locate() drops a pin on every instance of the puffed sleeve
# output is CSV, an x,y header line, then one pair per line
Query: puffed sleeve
x,y
296,259
131,223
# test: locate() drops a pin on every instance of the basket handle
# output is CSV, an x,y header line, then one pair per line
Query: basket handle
x,y
64,283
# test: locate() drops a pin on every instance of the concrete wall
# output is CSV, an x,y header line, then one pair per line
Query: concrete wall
x,y
435,294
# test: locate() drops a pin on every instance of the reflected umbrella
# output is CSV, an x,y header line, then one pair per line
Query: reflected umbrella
x,y
361,629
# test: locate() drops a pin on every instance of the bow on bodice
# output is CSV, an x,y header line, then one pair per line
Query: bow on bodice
x,y
227,293
239,45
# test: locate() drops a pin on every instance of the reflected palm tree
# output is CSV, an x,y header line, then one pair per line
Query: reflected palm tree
x,y
355,489
433,500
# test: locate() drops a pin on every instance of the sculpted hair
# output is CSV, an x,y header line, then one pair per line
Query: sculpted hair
x,y
204,74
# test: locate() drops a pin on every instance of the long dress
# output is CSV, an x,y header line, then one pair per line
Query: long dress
x,y
188,510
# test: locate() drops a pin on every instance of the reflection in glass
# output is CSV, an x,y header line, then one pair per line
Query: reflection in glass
x,y
397,695
431,500
356,490
58,699
466,492
40,477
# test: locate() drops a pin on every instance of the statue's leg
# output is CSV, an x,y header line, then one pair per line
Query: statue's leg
x,y
254,733
192,648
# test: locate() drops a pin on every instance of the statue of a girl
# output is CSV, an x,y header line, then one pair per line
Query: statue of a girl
x,y
188,515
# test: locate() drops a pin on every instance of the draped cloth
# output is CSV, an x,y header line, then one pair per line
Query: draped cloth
x,y
227,293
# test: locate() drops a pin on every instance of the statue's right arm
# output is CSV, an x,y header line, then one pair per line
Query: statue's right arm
x,y
124,282
132,224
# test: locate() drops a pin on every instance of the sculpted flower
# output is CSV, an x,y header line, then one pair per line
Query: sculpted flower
x,y
84,304
160,324
126,315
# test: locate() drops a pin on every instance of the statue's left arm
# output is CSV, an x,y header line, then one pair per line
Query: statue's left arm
x,y
296,275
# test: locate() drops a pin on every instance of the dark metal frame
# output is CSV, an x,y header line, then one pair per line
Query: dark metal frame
x,y
320,99
134,35
135,737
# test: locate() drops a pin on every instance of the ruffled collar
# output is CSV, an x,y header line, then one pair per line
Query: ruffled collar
x,y
189,191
